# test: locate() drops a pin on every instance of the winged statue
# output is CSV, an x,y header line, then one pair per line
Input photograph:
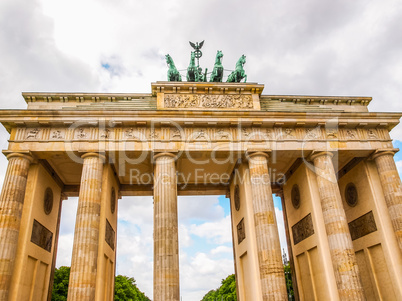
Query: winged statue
x,y
197,46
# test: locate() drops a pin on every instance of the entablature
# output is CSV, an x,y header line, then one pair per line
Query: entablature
x,y
110,119
187,96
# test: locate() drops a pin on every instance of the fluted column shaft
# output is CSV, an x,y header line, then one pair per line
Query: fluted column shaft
x,y
340,242
392,187
166,238
86,237
268,246
11,204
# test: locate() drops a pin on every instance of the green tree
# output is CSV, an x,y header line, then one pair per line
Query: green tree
x,y
125,289
226,292
60,284
289,284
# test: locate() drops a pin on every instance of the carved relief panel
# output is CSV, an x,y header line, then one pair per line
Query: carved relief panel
x,y
208,101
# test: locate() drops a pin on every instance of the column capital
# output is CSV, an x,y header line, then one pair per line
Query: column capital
x,y
250,153
25,155
171,154
316,154
382,152
92,154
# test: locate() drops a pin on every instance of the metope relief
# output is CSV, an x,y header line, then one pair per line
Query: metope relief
x,y
139,134
289,133
350,134
130,134
371,133
208,101
269,134
245,133
222,134
105,134
332,133
32,134
176,134
200,134
81,133
312,134
57,134
153,134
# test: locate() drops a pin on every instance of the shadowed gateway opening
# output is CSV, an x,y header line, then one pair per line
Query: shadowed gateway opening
x,y
205,241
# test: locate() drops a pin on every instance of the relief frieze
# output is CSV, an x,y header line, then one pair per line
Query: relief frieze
x,y
41,236
110,235
362,226
303,229
206,133
241,231
208,101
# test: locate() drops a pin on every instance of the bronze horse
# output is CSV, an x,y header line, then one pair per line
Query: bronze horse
x,y
239,73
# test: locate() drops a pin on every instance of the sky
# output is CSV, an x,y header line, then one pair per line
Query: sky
x,y
311,47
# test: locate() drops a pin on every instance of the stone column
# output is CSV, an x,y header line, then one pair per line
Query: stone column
x,y
340,242
11,204
86,237
391,185
166,238
272,275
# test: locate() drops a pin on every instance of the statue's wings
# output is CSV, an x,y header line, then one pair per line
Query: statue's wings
x,y
193,45
200,45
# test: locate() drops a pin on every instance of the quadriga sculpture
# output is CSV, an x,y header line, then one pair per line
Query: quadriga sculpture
x,y
239,73
173,74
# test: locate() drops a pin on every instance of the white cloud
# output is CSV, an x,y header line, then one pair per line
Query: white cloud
x,y
65,249
66,236
200,273
184,236
222,249
205,208
218,232
135,241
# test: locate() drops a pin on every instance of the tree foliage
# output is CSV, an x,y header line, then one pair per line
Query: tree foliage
x,y
289,284
125,288
226,292
60,284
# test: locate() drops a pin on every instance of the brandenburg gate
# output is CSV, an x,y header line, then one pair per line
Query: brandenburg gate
x,y
328,158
